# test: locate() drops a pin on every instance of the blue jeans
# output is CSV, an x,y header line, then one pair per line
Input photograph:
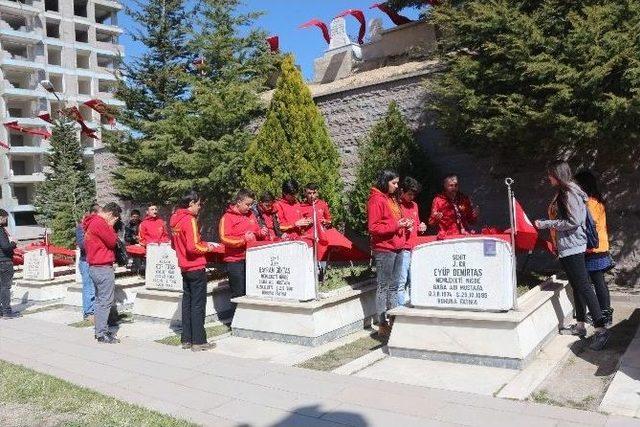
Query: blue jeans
x,y
387,272
88,290
404,278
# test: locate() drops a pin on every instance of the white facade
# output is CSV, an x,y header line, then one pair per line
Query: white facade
x,y
74,45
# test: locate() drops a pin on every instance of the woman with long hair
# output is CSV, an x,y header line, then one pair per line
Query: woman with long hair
x,y
567,222
387,229
598,260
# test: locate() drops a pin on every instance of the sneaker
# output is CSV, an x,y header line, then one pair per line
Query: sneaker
x,y
600,340
574,330
384,330
11,315
108,339
608,314
203,347
186,345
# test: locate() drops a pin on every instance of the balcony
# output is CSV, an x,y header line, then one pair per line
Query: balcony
x,y
10,91
109,3
28,150
27,179
114,29
20,61
24,7
22,34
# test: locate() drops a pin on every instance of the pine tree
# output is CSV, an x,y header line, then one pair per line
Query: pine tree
x,y
68,191
541,77
293,143
389,145
154,81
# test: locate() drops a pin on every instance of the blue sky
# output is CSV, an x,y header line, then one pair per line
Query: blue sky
x,y
282,17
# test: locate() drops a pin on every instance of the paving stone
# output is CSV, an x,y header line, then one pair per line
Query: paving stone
x,y
474,416
363,416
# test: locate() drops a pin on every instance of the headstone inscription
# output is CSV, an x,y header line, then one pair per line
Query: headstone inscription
x,y
38,265
162,271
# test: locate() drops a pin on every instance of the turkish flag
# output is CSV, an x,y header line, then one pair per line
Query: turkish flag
x,y
395,17
103,109
274,43
360,17
38,132
46,117
5,145
317,23
526,233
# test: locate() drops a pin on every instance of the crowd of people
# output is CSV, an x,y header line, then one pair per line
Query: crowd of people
x,y
577,220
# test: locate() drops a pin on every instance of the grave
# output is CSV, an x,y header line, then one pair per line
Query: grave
x,y
464,307
160,299
282,303
127,286
40,282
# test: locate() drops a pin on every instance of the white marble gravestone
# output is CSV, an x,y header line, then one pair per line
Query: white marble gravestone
x,y
282,271
162,270
469,273
38,265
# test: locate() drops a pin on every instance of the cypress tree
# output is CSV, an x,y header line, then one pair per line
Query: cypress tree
x,y
389,145
293,143
68,191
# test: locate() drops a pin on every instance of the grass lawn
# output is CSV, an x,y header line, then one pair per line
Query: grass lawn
x,y
30,398
212,331
342,355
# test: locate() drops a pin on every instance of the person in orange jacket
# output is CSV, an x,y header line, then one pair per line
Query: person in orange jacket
x,y
292,223
451,210
387,229
238,227
191,250
153,229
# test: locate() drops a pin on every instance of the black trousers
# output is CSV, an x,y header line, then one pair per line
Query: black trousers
x,y
237,278
194,300
583,293
6,279
602,290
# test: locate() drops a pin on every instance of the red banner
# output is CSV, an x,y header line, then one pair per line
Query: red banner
x,y
317,23
75,114
103,109
38,132
359,15
274,43
395,17
46,117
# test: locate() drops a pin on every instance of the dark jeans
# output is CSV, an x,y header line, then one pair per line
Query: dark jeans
x,y
602,290
194,300
237,278
583,293
6,280
388,271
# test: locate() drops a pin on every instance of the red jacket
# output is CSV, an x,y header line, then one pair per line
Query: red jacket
x,y
457,215
322,213
288,214
99,240
269,222
232,228
186,241
383,214
410,210
153,230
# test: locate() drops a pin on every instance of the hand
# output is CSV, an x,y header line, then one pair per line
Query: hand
x,y
537,223
264,232
303,222
422,227
437,215
284,236
249,236
404,223
327,224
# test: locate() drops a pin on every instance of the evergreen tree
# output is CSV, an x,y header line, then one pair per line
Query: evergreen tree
x,y
389,145
154,81
68,191
293,143
541,77
199,141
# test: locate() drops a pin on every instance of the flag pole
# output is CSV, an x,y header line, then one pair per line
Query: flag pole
x,y
509,182
315,247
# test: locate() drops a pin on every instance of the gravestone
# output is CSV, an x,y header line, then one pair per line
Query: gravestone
x,y
38,265
162,271
469,273
282,271
338,32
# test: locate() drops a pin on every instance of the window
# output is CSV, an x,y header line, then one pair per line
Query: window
x,y
54,56
19,167
17,23
80,8
105,37
84,86
15,112
105,86
24,218
82,61
53,30
82,35
16,140
17,51
105,61
105,15
57,82
22,194
51,5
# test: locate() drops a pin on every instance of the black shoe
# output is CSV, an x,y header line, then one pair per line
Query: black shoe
x,y
574,330
11,315
108,339
203,347
608,315
600,340
186,345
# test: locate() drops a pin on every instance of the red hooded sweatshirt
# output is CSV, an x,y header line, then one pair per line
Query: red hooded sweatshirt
x,y
99,240
186,241
383,214
288,214
457,215
152,230
410,210
232,228
322,210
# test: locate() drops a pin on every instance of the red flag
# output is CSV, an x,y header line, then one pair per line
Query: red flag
x,y
274,43
38,132
317,23
75,114
46,117
360,17
5,145
102,109
395,17
526,233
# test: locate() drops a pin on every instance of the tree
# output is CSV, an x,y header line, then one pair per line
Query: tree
x,y
68,191
389,145
199,141
153,81
541,77
293,143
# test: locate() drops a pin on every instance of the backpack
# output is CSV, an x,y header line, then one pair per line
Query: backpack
x,y
590,230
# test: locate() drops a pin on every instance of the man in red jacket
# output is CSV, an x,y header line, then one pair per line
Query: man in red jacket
x,y
100,241
451,210
292,223
238,227
409,190
265,213
153,229
312,195
191,250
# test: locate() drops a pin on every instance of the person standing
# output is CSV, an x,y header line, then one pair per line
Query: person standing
x,y
598,260
409,190
267,216
567,222
239,227
152,229
7,246
88,289
451,211
131,237
292,222
311,198
387,229
100,240
191,250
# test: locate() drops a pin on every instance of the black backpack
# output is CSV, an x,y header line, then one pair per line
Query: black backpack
x,y
591,231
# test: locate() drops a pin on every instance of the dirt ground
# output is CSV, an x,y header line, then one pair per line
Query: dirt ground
x,y
27,415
